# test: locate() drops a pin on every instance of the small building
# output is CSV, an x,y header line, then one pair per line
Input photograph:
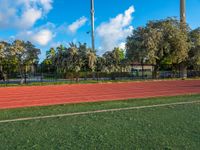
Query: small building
x,y
139,69
145,67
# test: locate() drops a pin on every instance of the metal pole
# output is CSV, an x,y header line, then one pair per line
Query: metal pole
x,y
183,28
182,14
92,25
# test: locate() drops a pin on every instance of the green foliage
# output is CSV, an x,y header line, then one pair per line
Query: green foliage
x,y
136,49
50,56
71,59
76,58
14,57
113,60
4,54
159,42
194,53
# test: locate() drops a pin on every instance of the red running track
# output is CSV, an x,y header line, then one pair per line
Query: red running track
x,y
16,97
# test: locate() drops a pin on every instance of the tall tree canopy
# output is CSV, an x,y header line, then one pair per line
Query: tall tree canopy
x,y
194,53
19,53
159,42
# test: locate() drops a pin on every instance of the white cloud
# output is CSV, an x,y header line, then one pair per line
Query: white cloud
x,y
22,14
29,18
77,24
47,5
122,45
41,36
115,31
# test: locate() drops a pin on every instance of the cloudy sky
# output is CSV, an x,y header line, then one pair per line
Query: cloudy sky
x,y
49,23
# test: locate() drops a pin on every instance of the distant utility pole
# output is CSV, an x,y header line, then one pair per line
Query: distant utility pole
x,y
92,25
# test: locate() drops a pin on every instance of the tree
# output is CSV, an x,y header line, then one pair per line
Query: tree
x,y
59,58
91,59
159,42
194,53
4,59
50,55
87,57
113,59
136,48
101,64
49,60
4,46
71,59
118,56
109,61
31,54
25,54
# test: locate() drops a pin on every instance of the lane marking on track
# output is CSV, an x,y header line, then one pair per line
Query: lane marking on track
x,y
96,111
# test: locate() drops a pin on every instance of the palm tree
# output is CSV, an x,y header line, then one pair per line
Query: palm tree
x,y
59,58
92,58
50,57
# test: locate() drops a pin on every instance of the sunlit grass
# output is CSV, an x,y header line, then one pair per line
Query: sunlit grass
x,y
171,127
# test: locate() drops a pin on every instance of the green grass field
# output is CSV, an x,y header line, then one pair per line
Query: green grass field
x,y
167,127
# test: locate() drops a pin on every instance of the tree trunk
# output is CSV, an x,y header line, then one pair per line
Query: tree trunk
x,y
21,74
183,70
25,76
77,77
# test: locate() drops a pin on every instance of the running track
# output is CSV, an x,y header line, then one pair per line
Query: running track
x,y
16,97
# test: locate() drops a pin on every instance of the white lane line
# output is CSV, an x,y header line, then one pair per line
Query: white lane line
x,y
97,111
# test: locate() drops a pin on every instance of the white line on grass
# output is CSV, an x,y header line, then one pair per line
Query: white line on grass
x,y
97,111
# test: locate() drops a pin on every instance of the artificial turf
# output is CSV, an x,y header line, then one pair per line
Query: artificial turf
x,y
171,127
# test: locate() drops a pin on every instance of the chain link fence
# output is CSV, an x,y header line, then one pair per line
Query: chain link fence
x,y
72,77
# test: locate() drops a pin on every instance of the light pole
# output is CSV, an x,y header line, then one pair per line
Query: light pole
x,y
92,25
182,13
183,66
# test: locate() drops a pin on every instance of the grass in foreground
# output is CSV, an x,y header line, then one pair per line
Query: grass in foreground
x,y
176,127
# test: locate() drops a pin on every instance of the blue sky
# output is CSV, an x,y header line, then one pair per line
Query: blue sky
x,y
48,23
